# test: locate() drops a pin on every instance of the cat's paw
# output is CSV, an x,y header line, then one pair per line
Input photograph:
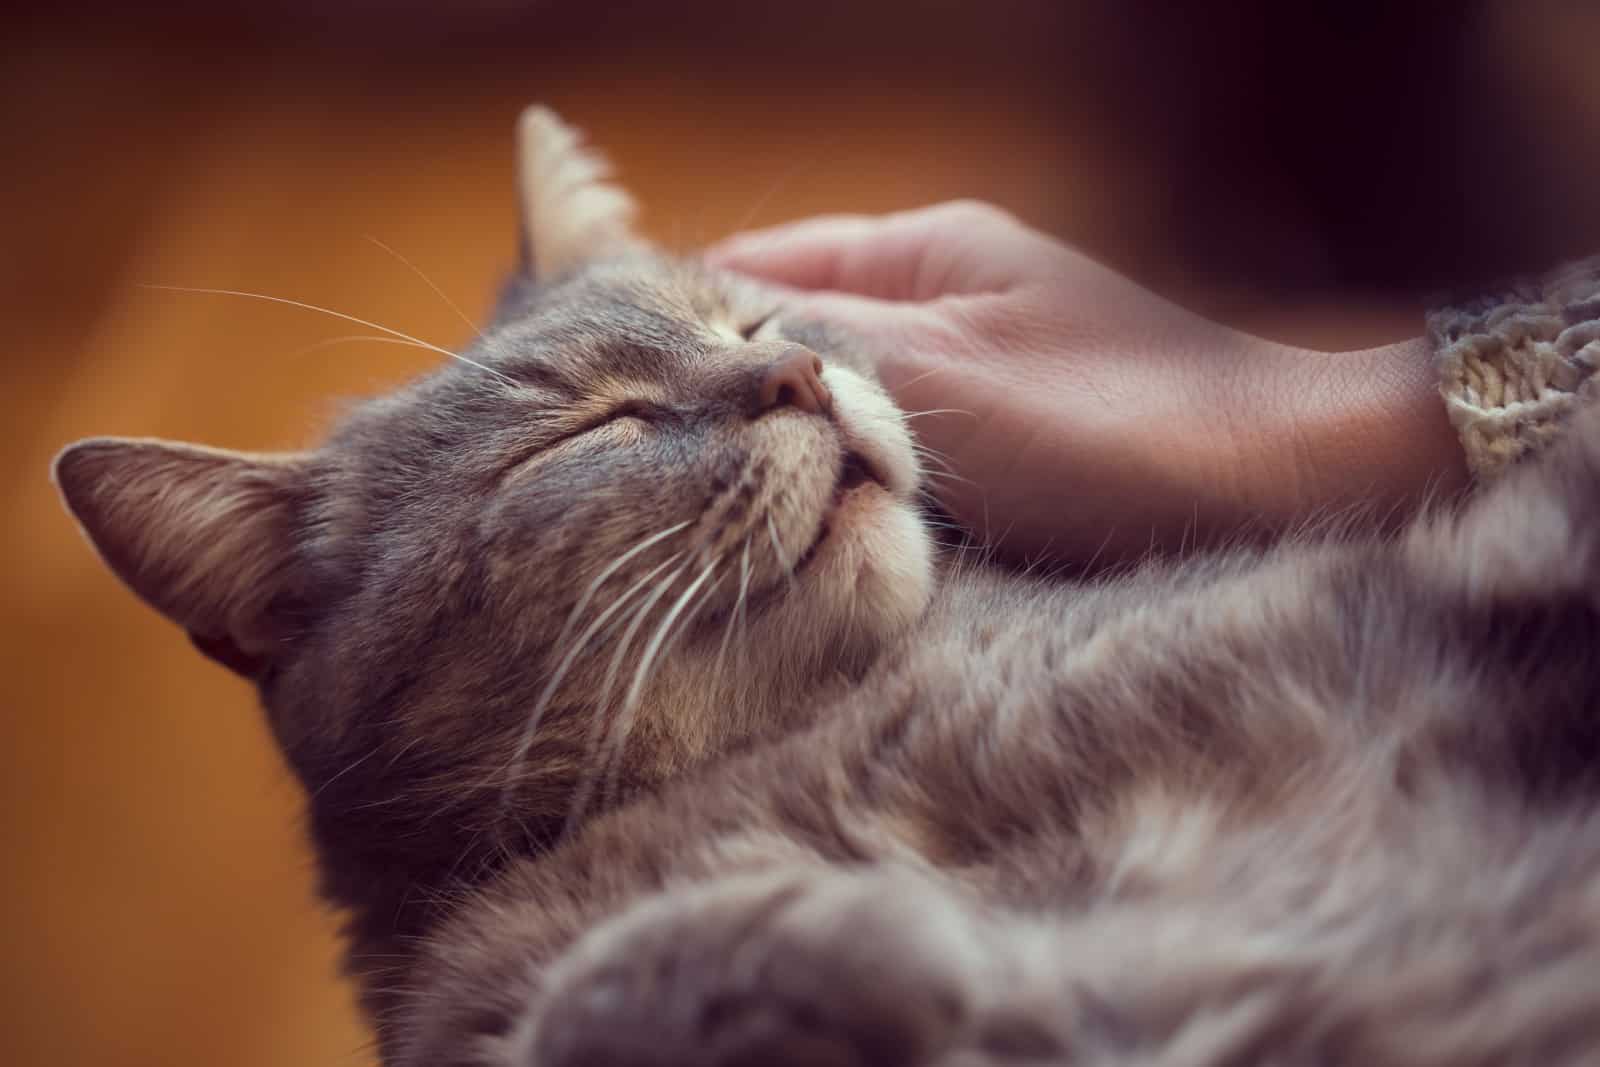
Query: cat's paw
x,y
826,969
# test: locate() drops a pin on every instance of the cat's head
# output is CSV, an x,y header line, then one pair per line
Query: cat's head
x,y
637,522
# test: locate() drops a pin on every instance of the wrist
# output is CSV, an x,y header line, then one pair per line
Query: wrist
x,y
1356,429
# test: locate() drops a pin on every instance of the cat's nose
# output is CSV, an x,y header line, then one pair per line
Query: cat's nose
x,y
793,379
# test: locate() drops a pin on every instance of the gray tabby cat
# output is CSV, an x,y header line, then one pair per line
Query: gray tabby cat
x,y
642,724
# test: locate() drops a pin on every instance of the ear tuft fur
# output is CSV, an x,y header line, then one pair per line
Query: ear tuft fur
x,y
571,211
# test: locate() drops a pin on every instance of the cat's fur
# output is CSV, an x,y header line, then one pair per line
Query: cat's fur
x,y
1330,802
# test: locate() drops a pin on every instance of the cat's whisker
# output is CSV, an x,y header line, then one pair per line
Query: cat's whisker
x,y
927,451
742,613
352,766
744,609
401,752
899,389
733,613
941,479
941,474
600,580
429,282
784,561
936,482
340,315
622,728
350,339
634,622
531,727
580,798
946,469
805,166
953,527
908,416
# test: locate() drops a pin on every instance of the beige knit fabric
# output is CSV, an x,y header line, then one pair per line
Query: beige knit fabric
x,y
1513,366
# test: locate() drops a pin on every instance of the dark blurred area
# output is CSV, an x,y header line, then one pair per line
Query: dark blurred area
x,y
1313,171
1291,148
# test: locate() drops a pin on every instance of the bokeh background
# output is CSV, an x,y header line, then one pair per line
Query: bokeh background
x,y
1310,171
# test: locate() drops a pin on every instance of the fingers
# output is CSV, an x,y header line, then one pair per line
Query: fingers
x,y
808,254
869,316
908,255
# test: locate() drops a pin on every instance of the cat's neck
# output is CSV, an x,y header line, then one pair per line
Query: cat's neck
x,y
724,701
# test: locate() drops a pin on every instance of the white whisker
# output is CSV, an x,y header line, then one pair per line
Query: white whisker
x,y
622,729
932,455
339,315
907,416
777,547
654,646
744,620
451,304
943,470
944,481
356,763
580,798
531,728
350,338
738,606
900,389
607,572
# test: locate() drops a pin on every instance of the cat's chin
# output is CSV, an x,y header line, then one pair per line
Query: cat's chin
x,y
871,576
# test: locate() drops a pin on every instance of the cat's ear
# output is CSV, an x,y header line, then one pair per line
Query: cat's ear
x,y
206,536
572,212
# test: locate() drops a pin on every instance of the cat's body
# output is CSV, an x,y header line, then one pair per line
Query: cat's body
x,y
1281,811
642,726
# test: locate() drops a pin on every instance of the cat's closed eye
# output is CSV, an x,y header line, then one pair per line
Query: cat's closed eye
x,y
628,409
630,418
749,332
635,412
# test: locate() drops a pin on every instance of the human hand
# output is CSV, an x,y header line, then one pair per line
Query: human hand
x,y
1083,416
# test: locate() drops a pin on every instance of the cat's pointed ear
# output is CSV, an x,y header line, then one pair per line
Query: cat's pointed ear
x,y
206,536
572,212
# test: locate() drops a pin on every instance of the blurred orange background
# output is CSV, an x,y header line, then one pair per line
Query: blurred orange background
x,y
156,902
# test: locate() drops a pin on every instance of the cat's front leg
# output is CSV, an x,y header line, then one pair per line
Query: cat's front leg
x,y
807,966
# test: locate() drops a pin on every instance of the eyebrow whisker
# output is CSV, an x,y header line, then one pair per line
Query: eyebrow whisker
x,y
429,282
338,315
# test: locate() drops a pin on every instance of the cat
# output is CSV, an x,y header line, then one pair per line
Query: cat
x,y
642,722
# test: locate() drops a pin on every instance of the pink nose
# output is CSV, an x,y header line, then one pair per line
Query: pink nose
x,y
794,379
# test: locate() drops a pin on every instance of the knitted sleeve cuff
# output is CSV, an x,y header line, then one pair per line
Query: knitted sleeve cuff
x,y
1514,365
